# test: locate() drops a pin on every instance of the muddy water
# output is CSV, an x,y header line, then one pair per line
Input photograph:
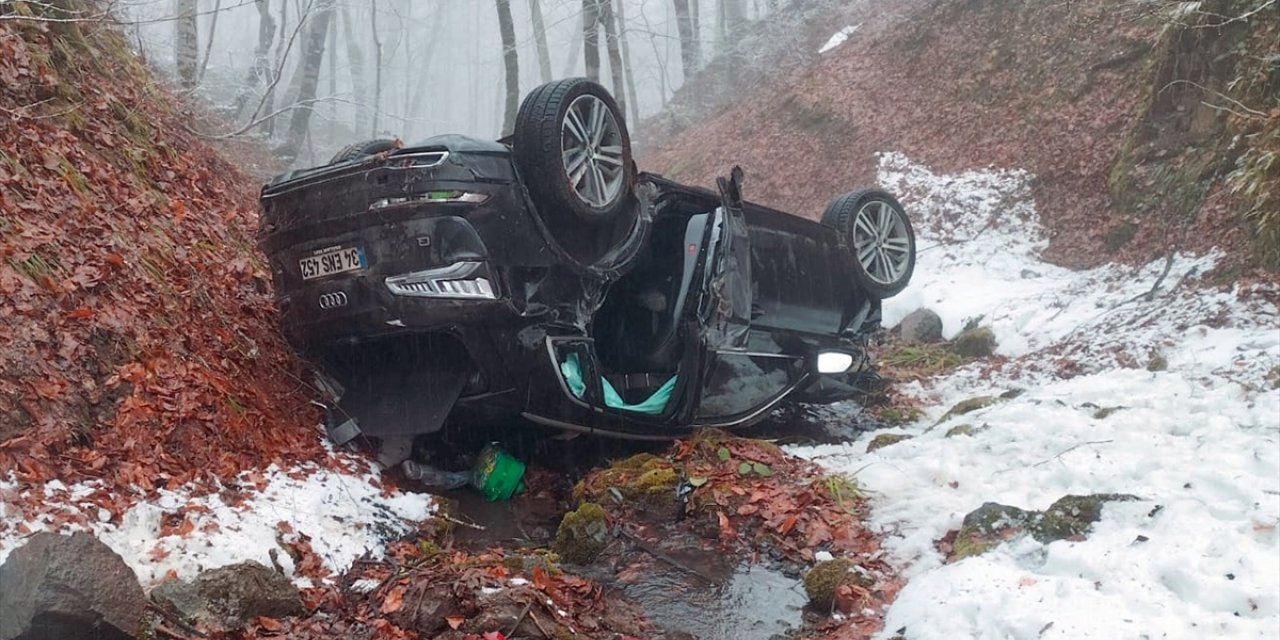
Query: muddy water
x,y
747,601
686,591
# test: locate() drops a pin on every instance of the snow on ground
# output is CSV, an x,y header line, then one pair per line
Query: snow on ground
x,y
839,38
182,533
1199,442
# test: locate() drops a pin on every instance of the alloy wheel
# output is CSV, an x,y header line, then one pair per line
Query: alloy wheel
x,y
591,147
882,241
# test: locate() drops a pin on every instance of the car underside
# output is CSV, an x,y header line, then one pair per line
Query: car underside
x,y
545,277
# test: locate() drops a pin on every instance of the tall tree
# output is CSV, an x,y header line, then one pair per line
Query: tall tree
x,y
575,49
732,15
261,71
540,38
615,55
377,67
688,38
309,70
208,45
626,62
591,38
512,64
355,66
186,43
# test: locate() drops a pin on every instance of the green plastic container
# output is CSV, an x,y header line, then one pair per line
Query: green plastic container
x,y
497,474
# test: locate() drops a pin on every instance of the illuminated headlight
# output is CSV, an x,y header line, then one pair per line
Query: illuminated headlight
x,y
429,197
834,362
458,280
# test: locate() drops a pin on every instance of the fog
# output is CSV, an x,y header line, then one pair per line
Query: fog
x,y
413,68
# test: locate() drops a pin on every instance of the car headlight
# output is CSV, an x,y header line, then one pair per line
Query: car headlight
x,y
458,280
834,362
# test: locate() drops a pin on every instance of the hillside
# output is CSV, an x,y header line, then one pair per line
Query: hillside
x,y
1118,111
137,344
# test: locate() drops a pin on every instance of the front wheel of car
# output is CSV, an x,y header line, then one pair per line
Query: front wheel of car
x,y
573,150
877,238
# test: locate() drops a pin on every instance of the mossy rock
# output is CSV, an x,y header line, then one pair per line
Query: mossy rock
x,y
1157,363
885,439
582,534
639,462
978,342
968,406
822,581
1073,515
898,416
987,526
965,430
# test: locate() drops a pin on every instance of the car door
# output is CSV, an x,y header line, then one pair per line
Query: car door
x,y
736,383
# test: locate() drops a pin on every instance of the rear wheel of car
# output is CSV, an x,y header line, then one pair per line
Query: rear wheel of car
x,y
573,150
877,238
362,149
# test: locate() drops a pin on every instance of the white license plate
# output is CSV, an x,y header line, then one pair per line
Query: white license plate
x,y
331,261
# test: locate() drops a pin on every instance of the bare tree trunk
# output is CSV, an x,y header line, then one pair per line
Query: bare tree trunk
x,y
333,80
309,69
735,16
208,45
377,67
423,62
282,46
591,38
615,56
688,38
575,49
626,62
511,61
355,60
261,72
186,43
540,38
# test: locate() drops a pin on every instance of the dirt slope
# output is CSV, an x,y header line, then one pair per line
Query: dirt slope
x,y
136,332
1055,88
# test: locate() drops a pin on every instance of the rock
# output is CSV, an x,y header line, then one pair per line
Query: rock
x,y
582,534
822,581
965,429
979,342
885,439
967,406
69,588
987,526
921,326
230,597
1157,363
1072,516
1104,412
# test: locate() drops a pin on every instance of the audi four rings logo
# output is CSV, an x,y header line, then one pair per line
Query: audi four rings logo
x,y
333,300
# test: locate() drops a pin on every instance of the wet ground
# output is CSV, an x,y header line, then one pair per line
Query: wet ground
x,y
685,589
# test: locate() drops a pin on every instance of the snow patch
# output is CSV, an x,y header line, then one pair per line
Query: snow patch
x,y
1198,442
344,515
839,38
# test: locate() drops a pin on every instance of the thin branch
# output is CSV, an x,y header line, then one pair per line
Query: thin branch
x,y
1224,96
1070,449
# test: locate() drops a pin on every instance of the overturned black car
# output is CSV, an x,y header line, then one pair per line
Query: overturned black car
x,y
544,276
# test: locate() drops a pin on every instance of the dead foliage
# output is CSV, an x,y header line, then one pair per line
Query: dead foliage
x,y
137,339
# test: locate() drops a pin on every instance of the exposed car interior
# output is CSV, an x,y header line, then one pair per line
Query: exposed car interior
x,y
637,328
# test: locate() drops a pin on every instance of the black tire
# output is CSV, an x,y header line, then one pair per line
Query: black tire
x,y
362,149
841,215
537,146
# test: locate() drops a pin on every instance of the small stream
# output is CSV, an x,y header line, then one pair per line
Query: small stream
x,y
686,591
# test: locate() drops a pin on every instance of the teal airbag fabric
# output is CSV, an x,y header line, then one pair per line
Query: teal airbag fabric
x,y
653,405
